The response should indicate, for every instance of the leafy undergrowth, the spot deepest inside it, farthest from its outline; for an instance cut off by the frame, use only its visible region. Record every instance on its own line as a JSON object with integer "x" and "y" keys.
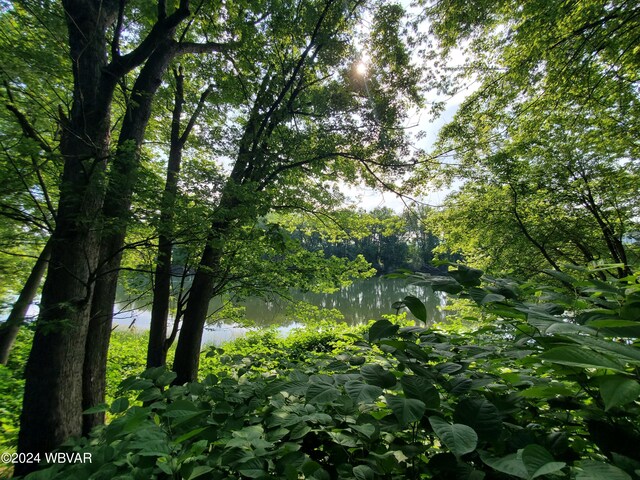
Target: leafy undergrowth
{"x": 548, "y": 389}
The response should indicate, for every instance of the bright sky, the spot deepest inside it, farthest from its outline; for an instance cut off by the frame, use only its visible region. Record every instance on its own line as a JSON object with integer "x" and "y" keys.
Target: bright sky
{"x": 369, "y": 198}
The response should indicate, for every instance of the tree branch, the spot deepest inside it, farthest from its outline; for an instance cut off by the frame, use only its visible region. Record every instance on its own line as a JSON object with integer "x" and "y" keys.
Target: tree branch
{"x": 27, "y": 128}
{"x": 162, "y": 28}
{"x": 115, "y": 44}
{"x": 196, "y": 114}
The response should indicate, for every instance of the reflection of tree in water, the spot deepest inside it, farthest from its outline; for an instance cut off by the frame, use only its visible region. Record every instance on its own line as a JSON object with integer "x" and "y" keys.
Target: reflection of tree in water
{"x": 361, "y": 301}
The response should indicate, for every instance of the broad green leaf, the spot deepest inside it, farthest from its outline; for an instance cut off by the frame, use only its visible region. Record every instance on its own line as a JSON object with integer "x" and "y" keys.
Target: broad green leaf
{"x": 613, "y": 323}
{"x": 419, "y": 387}
{"x": 580, "y": 357}
{"x": 361, "y": 392}
{"x": 539, "y": 461}
{"x": 382, "y": 329}
{"x": 165, "y": 378}
{"x": 448, "y": 367}
{"x": 593, "y": 470}
{"x": 510, "y": 464}
{"x": 531, "y": 462}
{"x": 374, "y": 374}
{"x": 492, "y": 298}
{"x": 198, "y": 471}
{"x": 344, "y": 439}
{"x": 563, "y": 277}
{"x": 481, "y": 415}
{"x": 321, "y": 393}
{"x": 458, "y": 438}
{"x": 182, "y": 410}
{"x": 629, "y": 352}
{"x": 618, "y": 390}
{"x": 466, "y": 276}
{"x": 416, "y": 307}
{"x": 253, "y": 468}
{"x": 406, "y": 410}
{"x": 366, "y": 429}
{"x": 119, "y": 405}
{"x": 299, "y": 431}
{"x": 363, "y": 472}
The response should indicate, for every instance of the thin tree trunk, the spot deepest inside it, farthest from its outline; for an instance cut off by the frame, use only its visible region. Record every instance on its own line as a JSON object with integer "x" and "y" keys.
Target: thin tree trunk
{"x": 10, "y": 328}
{"x": 525, "y": 232}
{"x": 187, "y": 357}
{"x": 158, "y": 341}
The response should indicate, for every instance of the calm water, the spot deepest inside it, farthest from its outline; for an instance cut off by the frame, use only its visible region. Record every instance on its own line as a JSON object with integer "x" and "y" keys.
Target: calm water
{"x": 362, "y": 301}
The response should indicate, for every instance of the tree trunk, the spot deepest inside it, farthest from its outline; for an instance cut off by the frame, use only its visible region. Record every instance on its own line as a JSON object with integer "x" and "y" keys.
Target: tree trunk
{"x": 116, "y": 217}
{"x": 187, "y": 358}
{"x": 158, "y": 341}
{"x": 52, "y": 404}
{"x": 10, "y": 328}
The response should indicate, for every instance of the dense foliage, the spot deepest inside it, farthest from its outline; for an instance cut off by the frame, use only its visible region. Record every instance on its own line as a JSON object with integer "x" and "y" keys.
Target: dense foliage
{"x": 545, "y": 144}
{"x": 207, "y": 148}
{"x": 546, "y": 384}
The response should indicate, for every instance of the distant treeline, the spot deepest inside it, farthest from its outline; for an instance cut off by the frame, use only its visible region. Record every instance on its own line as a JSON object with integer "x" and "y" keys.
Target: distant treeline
{"x": 387, "y": 240}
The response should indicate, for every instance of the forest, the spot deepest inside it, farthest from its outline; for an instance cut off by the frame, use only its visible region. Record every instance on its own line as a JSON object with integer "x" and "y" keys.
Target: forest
{"x": 209, "y": 150}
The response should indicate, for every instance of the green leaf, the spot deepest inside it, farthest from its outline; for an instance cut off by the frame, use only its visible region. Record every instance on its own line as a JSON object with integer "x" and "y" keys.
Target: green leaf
{"x": 580, "y": 357}
{"x": 374, "y": 374}
{"x": 481, "y": 415}
{"x": 320, "y": 393}
{"x": 367, "y": 429}
{"x": 299, "y": 431}
{"x": 190, "y": 434}
{"x": 361, "y": 392}
{"x": 466, "y": 276}
{"x": 198, "y": 471}
{"x": 618, "y": 390}
{"x": 382, "y": 329}
{"x": 492, "y": 298}
{"x": 253, "y": 468}
{"x": 539, "y": 461}
{"x": 416, "y": 307}
{"x": 509, "y": 464}
{"x": 592, "y": 470}
{"x": 406, "y": 410}
{"x": 181, "y": 409}
{"x": 420, "y": 388}
{"x": 531, "y": 462}
{"x": 103, "y": 407}
{"x": 119, "y": 405}
{"x": 342, "y": 438}
{"x": 363, "y": 472}
{"x": 459, "y": 439}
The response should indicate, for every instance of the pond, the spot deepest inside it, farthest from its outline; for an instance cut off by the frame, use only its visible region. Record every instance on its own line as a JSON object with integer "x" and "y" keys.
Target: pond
{"x": 360, "y": 302}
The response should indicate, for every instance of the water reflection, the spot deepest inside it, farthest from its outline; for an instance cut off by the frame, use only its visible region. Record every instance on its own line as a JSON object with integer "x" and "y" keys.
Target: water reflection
{"x": 360, "y": 302}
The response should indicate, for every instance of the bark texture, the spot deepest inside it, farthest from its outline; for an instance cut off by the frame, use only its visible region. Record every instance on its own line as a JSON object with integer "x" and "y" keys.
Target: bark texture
{"x": 52, "y": 405}
{"x": 115, "y": 213}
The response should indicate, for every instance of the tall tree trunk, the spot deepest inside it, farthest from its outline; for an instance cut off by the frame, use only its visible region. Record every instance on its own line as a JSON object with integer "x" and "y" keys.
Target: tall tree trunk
{"x": 52, "y": 404}
{"x": 210, "y": 278}
{"x": 187, "y": 357}
{"x": 10, "y": 328}
{"x": 116, "y": 209}
{"x": 158, "y": 341}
